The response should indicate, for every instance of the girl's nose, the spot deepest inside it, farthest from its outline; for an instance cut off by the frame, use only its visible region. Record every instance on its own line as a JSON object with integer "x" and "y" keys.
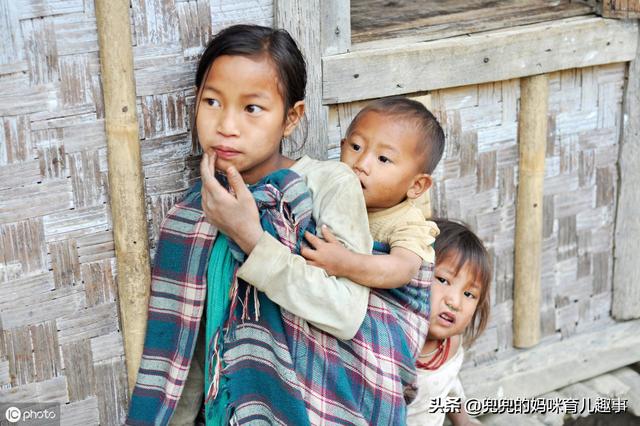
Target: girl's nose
{"x": 228, "y": 125}
{"x": 452, "y": 300}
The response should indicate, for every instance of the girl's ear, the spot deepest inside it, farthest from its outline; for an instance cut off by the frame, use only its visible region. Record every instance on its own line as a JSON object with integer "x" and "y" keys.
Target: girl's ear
{"x": 421, "y": 183}
{"x": 294, "y": 115}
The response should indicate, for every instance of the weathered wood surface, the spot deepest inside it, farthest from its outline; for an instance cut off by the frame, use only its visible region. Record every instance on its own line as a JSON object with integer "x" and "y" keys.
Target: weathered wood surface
{"x": 532, "y": 141}
{"x": 621, "y": 9}
{"x": 300, "y": 18}
{"x": 336, "y": 16}
{"x": 542, "y": 369}
{"x": 494, "y": 56}
{"x": 626, "y": 297}
{"x": 375, "y": 21}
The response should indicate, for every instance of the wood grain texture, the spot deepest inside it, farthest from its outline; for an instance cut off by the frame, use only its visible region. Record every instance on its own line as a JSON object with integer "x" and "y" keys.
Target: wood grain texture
{"x": 493, "y": 56}
{"x": 626, "y": 296}
{"x": 532, "y": 141}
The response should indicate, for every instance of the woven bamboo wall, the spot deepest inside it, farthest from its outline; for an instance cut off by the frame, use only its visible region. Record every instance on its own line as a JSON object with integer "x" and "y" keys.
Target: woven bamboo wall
{"x": 476, "y": 182}
{"x": 59, "y": 327}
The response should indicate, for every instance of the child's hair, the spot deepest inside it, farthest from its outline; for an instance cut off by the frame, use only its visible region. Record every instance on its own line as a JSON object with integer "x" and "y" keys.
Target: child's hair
{"x": 432, "y": 135}
{"x": 255, "y": 41}
{"x": 457, "y": 240}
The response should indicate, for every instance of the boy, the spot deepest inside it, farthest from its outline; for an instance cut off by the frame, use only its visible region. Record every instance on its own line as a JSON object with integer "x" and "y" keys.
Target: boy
{"x": 393, "y": 145}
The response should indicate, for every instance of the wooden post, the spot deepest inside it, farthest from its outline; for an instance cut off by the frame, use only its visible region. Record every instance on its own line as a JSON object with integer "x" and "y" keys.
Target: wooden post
{"x": 125, "y": 176}
{"x": 626, "y": 268}
{"x": 302, "y": 19}
{"x": 532, "y": 137}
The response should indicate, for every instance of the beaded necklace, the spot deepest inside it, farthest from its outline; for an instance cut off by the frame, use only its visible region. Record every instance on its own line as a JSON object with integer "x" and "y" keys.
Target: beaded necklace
{"x": 440, "y": 355}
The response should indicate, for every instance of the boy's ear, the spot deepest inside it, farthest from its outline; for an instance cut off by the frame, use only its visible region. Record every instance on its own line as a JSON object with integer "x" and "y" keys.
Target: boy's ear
{"x": 421, "y": 183}
{"x": 294, "y": 115}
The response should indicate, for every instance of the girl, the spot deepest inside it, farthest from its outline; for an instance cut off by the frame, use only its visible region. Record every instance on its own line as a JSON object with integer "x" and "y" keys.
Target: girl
{"x": 263, "y": 363}
{"x": 459, "y": 306}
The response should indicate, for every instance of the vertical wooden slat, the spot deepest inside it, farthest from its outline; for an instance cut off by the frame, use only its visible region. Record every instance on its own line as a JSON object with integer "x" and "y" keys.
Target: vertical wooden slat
{"x": 335, "y": 26}
{"x": 532, "y": 138}
{"x": 622, "y": 9}
{"x": 125, "y": 175}
{"x": 626, "y": 268}
{"x": 302, "y": 19}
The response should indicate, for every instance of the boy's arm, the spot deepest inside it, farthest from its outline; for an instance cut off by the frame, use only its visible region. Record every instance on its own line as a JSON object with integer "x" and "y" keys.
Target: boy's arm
{"x": 377, "y": 271}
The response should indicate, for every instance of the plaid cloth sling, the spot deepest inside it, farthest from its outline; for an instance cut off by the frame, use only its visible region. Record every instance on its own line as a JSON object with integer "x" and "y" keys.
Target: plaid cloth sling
{"x": 278, "y": 368}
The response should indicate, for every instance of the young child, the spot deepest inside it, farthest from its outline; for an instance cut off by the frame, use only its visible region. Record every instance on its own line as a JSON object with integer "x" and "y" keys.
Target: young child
{"x": 459, "y": 307}
{"x": 393, "y": 145}
{"x": 253, "y": 360}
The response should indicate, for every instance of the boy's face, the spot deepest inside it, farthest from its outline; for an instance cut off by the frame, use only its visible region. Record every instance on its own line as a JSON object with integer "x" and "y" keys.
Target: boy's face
{"x": 383, "y": 151}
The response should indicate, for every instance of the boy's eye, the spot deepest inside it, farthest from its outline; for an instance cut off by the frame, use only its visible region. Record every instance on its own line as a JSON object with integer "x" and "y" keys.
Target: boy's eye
{"x": 384, "y": 159}
{"x": 253, "y": 109}
{"x": 355, "y": 147}
{"x": 212, "y": 102}
{"x": 442, "y": 280}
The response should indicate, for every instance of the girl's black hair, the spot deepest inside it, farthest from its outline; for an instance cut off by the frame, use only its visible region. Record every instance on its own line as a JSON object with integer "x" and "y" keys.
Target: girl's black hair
{"x": 458, "y": 242}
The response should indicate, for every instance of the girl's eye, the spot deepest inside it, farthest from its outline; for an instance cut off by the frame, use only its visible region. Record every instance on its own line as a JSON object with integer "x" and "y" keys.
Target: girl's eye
{"x": 253, "y": 109}
{"x": 442, "y": 280}
{"x": 469, "y": 295}
{"x": 355, "y": 147}
{"x": 213, "y": 102}
{"x": 384, "y": 159}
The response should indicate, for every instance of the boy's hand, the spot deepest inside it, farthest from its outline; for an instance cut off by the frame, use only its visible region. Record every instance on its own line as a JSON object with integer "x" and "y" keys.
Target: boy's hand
{"x": 328, "y": 254}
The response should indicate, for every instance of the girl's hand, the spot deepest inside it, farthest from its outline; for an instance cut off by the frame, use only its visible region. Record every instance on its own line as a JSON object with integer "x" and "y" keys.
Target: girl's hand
{"x": 328, "y": 254}
{"x": 233, "y": 212}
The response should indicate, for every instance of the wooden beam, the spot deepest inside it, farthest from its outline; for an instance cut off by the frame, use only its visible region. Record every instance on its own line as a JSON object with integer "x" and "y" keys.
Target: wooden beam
{"x": 336, "y": 26}
{"x": 625, "y": 9}
{"x": 626, "y": 268}
{"x": 126, "y": 188}
{"x": 532, "y": 372}
{"x": 302, "y": 19}
{"x": 532, "y": 140}
{"x": 477, "y": 58}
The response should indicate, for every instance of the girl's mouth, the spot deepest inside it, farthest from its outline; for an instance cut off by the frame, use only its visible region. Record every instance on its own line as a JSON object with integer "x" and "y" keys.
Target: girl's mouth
{"x": 226, "y": 153}
{"x": 448, "y": 317}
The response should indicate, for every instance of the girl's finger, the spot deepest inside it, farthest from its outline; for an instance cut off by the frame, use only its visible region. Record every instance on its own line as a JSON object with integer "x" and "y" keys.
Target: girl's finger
{"x": 328, "y": 235}
{"x": 237, "y": 183}
{"x": 307, "y": 253}
{"x": 312, "y": 239}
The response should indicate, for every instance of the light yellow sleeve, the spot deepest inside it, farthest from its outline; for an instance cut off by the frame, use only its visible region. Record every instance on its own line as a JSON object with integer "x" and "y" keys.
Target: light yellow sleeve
{"x": 416, "y": 234}
{"x": 335, "y": 305}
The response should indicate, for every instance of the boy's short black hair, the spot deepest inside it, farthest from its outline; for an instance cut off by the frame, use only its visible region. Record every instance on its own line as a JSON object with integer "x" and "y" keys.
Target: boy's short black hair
{"x": 427, "y": 124}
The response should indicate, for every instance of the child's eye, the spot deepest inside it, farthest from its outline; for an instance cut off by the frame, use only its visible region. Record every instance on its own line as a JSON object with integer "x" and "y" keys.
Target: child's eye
{"x": 253, "y": 109}
{"x": 469, "y": 295}
{"x": 355, "y": 147}
{"x": 212, "y": 102}
{"x": 442, "y": 280}
{"x": 384, "y": 159}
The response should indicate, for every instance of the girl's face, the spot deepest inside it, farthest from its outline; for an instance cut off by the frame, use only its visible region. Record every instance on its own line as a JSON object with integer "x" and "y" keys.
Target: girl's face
{"x": 241, "y": 116}
{"x": 454, "y": 298}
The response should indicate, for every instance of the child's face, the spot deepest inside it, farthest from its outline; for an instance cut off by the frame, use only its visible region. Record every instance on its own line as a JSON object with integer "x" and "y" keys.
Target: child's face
{"x": 241, "y": 116}
{"x": 383, "y": 151}
{"x": 454, "y": 298}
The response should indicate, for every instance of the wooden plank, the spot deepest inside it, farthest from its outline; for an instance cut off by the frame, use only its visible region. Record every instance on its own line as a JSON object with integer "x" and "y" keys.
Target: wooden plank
{"x": 554, "y": 365}
{"x": 53, "y": 196}
{"x": 624, "y": 9}
{"x": 78, "y": 369}
{"x": 626, "y": 292}
{"x": 19, "y": 352}
{"x": 229, "y": 12}
{"x": 194, "y": 23}
{"x": 154, "y": 22}
{"x": 40, "y": 8}
{"x": 302, "y": 19}
{"x": 80, "y": 413}
{"x": 46, "y": 350}
{"x": 99, "y": 282}
{"x": 24, "y": 242}
{"x": 376, "y": 20}
{"x": 335, "y": 25}
{"x": 43, "y": 307}
{"x": 54, "y": 390}
{"x": 84, "y": 324}
{"x": 11, "y": 48}
{"x": 111, "y": 390}
{"x": 494, "y": 56}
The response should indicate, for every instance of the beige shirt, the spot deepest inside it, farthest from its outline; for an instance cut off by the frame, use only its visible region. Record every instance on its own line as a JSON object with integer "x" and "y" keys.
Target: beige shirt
{"x": 438, "y": 383}
{"x": 333, "y": 304}
{"x": 404, "y": 225}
